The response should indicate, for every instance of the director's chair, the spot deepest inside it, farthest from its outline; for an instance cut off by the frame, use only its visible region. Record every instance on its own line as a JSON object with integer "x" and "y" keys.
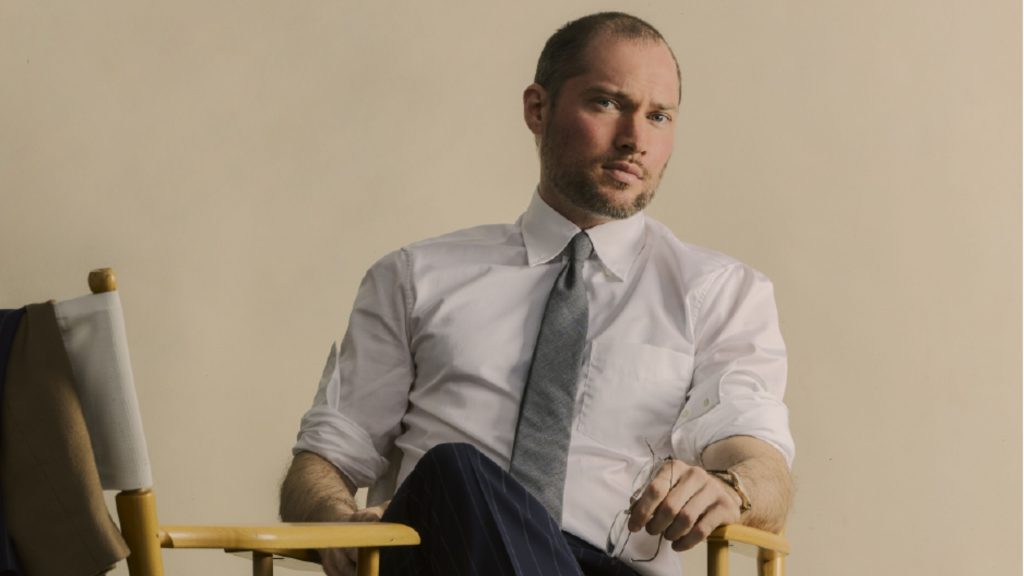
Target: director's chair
{"x": 81, "y": 347}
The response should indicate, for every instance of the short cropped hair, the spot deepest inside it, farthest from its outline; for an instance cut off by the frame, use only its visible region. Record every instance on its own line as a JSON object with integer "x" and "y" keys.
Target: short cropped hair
{"x": 562, "y": 56}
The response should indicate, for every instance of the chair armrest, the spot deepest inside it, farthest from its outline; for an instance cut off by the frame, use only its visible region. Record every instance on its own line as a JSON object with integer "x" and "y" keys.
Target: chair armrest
{"x": 288, "y": 536}
{"x": 761, "y": 538}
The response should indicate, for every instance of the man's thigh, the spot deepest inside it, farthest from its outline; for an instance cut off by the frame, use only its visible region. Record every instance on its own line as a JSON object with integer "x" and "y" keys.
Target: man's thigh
{"x": 475, "y": 518}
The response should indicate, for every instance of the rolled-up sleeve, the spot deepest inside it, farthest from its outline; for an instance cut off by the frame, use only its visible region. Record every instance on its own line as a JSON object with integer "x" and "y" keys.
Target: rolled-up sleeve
{"x": 364, "y": 390}
{"x": 739, "y": 376}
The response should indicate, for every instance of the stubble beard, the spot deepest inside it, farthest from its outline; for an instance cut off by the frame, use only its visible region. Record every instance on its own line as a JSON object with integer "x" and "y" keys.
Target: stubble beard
{"x": 575, "y": 180}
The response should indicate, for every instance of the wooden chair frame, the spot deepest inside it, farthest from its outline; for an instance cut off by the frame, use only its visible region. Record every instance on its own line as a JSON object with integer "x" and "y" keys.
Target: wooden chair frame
{"x": 772, "y": 549}
{"x": 136, "y": 510}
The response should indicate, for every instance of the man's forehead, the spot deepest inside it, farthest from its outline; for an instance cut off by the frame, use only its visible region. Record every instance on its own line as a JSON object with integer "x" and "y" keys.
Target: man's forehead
{"x": 652, "y": 66}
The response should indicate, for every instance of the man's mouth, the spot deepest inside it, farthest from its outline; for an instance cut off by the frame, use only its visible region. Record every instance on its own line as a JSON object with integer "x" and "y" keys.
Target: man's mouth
{"x": 625, "y": 172}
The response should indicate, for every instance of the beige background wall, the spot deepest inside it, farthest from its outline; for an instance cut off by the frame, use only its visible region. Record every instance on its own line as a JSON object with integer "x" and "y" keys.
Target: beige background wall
{"x": 241, "y": 163}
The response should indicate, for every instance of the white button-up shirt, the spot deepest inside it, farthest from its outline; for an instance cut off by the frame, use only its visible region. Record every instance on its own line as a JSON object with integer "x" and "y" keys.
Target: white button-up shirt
{"x": 683, "y": 350}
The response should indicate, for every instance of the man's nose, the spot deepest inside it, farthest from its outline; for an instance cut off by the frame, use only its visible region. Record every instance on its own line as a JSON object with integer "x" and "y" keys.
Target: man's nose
{"x": 631, "y": 135}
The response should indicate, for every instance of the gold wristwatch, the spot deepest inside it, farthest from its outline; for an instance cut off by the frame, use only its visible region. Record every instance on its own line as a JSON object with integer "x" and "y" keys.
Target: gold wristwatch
{"x": 730, "y": 478}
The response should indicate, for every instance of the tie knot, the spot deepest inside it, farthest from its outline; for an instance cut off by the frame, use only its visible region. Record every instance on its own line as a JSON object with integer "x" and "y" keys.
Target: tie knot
{"x": 580, "y": 247}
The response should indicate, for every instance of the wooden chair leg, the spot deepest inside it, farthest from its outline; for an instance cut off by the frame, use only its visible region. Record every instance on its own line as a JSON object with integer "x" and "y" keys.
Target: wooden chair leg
{"x": 718, "y": 558}
{"x": 262, "y": 563}
{"x": 137, "y": 511}
{"x": 369, "y": 561}
{"x": 770, "y": 563}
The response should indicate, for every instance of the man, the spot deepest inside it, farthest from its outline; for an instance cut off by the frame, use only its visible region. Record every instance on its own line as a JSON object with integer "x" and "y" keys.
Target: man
{"x": 675, "y": 421}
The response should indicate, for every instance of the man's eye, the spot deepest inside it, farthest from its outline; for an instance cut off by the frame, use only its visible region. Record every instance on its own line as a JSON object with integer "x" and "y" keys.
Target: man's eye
{"x": 661, "y": 118}
{"x": 605, "y": 103}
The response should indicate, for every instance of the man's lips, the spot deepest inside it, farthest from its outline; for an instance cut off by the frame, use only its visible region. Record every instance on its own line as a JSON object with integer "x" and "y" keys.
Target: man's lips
{"x": 624, "y": 171}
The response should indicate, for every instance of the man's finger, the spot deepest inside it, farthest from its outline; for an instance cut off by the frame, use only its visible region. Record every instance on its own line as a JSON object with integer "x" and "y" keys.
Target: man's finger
{"x": 370, "y": 514}
{"x": 710, "y": 508}
{"x": 650, "y": 496}
{"x": 367, "y": 515}
{"x": 714, "y": 518}
{"x": 676, "y": 502}
{"x": 669, "y": 477}
{"x": 689, "y": 514}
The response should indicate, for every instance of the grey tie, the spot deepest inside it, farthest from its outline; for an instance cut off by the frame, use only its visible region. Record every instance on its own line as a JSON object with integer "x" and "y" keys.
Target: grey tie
{"x": 545, "y": 414}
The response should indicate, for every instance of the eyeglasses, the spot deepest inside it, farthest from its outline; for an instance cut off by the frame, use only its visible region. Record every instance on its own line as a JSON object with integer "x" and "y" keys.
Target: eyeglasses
{"x": 618, "y": 533}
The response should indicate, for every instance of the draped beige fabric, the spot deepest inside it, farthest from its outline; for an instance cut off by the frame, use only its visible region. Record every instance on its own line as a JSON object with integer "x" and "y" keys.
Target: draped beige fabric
{"x": 55, "y": 509}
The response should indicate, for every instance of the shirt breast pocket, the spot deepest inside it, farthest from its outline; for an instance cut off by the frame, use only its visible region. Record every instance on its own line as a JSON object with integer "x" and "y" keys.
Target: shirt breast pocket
{"x": 633, "y": 394}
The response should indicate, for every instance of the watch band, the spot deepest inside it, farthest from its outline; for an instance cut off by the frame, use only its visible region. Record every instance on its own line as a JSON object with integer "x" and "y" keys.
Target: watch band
{"x": 734, "y": 482}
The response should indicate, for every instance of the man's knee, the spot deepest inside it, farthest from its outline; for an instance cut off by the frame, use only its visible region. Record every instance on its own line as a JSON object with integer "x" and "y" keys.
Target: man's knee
{"x": 455, "y": 462}
{"x": 449, "y": 454}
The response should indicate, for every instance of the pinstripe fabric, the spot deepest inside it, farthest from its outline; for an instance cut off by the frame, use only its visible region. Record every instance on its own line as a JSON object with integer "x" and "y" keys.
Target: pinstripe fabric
{"x": 475, "y": 519}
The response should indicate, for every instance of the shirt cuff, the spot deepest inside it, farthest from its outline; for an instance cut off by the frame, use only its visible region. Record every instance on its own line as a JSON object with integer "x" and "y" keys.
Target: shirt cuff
{"x": 764, "y": 418}
{"x": 341, "y": 442}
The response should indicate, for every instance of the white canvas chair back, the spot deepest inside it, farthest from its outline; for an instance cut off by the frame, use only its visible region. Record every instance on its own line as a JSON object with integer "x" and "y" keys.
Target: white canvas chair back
{"x": 93, "y": 331}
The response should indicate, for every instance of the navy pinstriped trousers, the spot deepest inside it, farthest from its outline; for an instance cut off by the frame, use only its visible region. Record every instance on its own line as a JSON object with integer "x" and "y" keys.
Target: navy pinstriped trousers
{"x": 475, "y": 519}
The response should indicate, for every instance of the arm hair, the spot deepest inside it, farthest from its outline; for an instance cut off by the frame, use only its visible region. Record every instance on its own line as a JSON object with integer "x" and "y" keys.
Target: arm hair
{"x": 314, "y": 490}
{"x": 764, "y": 474}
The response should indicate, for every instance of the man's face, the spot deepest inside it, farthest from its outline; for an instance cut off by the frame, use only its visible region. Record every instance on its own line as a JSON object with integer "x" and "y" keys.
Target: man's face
{"x": 606, "y": 140}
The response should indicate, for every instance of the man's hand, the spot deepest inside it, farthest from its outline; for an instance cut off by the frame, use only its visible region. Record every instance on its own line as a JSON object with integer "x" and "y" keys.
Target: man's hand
{"x": 342, "y": 561}
{"x": 684, "y": 504}
{"x": 315, "y": 491}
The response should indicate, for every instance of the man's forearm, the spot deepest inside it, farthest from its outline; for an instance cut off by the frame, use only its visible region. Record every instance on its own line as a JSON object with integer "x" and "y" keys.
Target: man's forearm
{"x": 764, "y": 474}
{"x": 314, "y": 490}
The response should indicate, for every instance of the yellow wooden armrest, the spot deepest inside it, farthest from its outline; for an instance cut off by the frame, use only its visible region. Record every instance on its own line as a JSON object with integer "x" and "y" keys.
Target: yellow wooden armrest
{"x": 288, "y": 536}
{"x": 771, "y": 549}
{"x": 747, "y": 535}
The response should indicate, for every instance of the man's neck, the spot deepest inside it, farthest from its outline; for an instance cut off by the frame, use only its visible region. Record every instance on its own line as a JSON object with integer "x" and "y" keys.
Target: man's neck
{"x": 582, "y": 218}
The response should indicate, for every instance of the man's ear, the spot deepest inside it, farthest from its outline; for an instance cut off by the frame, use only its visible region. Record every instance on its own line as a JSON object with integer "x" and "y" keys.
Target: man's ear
{"x": 535, "y": 108}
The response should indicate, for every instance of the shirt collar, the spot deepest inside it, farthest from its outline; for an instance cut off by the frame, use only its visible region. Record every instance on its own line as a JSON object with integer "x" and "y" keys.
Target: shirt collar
{"x": 546, "y": 234}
